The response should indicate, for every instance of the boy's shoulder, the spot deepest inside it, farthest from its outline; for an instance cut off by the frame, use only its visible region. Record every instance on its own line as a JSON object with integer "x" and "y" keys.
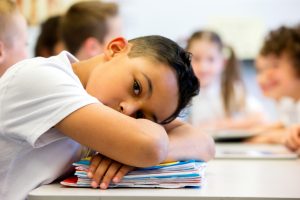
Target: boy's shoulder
{"x": 62, "y": 61}
{"x": 41, "y": 72}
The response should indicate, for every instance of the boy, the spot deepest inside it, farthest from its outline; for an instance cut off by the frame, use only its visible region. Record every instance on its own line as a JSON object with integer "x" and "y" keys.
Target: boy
{"x": 88, "y": 26}
{"x": 278, "y": 67}
{"x": 13, "y": 35}
{"x": 107, "y": 103}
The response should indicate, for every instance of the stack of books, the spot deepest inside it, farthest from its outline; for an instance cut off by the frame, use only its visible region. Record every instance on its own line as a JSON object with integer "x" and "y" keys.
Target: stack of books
{"x": 177, "y": 174}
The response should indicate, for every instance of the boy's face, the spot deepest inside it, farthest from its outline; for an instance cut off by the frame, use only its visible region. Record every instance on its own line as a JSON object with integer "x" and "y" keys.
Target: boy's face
{"x": 207, "y": 61}
{"x": 276, "y": 77}
{"x": 138, "y": 87}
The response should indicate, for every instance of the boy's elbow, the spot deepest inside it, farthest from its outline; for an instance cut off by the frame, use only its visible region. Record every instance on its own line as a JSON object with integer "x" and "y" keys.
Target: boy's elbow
{"x": 156, "y": 151}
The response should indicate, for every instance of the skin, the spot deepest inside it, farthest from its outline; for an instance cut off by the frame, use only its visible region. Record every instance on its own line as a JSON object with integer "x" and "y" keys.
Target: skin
{"x": 14, "y": 48}
{"x": 292, "y": 139}
{"x": 136, "y": 93}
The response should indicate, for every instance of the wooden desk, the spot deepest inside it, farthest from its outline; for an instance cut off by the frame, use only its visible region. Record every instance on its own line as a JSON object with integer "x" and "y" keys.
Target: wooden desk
{"x": 225, "y": 179}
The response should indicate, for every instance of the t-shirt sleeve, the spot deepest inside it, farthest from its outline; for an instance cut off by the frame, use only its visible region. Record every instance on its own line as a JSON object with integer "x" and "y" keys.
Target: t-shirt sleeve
{"x": 36, "y": 98}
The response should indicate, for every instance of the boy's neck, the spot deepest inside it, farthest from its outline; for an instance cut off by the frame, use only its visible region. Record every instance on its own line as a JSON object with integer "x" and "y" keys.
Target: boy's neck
{"x": 84, "y": 68}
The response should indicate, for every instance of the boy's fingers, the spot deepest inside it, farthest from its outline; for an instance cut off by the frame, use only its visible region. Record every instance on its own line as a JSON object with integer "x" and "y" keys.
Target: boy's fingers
{"x": 110, "y": 173}
{"x": 94, "y": 164}
{"x": 122, "y": 172}
{"x": 100, "y": 171}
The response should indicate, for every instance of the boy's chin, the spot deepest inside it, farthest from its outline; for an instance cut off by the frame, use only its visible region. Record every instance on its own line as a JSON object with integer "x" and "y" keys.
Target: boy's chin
{"x": 272, "y": 95}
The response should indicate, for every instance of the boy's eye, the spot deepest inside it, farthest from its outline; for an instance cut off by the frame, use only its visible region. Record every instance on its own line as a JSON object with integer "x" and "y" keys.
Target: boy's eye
{"x": 139, "y": 114}
{"x": 136, "y": 87}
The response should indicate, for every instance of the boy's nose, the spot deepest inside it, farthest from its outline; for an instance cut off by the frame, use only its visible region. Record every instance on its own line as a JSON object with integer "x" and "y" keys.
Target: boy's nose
{"x": 204, "y": 66}
{"x": 129, "y": 108}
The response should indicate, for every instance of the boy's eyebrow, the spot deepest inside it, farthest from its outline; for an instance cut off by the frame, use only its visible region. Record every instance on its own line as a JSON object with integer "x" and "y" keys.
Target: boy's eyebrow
{"x": 149, "y": 83}
{"x": 149, "y": 93}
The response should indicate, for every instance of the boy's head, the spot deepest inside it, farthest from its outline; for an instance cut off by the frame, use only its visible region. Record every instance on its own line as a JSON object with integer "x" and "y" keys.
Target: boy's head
{"x": 148, "y": 77}
{"x": 278, "y": 63}
{"x": 88, "y": 26}
{"x": 49, "y": 42}
{"x": 13, "y": 35}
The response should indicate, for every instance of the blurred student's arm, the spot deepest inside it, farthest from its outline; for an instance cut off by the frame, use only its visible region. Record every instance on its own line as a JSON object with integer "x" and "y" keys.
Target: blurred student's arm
{"x": 292, "y": 139}
{"x": 252, "y": 115}
{"x": 186, "y": 142}
{"x": 134, "y": 142}
{"x": 245, "y": 122}
{"x": 269, "y": 134}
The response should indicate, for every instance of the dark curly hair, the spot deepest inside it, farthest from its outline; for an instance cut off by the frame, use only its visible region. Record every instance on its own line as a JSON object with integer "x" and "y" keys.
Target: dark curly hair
{"x": 284, "y": 40}
{"x": 168, "y": 52}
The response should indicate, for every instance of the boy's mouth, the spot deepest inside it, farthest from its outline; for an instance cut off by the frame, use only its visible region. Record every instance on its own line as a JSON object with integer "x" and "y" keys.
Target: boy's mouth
{"x": 269, "y": 86}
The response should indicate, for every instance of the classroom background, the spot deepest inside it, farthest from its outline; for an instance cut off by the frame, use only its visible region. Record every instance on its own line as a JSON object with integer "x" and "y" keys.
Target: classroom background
{"x": 241, "y": 23}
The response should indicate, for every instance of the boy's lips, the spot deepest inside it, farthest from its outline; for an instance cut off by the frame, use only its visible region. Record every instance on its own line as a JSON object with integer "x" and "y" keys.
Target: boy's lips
{"x": 269, "y": 86}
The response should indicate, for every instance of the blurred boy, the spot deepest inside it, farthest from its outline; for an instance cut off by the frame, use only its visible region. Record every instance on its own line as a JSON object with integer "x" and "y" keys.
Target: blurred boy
{"x": 13, "y": 35}
{"x": 88, "y": 26}
{"x": 278, "y": 67}
{"x": 122, "y": 104}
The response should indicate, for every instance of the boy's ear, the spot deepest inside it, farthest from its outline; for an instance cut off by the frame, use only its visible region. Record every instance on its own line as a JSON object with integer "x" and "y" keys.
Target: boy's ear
{"x": 116, "y": 46}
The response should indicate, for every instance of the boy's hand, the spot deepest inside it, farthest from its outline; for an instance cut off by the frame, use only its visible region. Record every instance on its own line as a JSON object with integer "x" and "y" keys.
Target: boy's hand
{"x": 292, "y": 140}
{"x": 106, "y": 170}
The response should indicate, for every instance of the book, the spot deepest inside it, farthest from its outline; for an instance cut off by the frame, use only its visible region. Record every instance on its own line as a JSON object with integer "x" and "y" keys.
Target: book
{"x": 177, "y": 174}
{"x": 253, "y": 151}
{"x": 227, "y": 135}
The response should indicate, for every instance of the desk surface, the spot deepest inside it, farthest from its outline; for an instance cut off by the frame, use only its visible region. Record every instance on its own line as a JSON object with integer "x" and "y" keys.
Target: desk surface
{"x": 225, "y": 179}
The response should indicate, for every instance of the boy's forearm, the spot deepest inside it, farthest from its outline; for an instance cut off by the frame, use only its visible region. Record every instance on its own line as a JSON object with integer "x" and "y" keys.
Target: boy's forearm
{"x": 135, "y": 142}
{"x": 186, "y": 142}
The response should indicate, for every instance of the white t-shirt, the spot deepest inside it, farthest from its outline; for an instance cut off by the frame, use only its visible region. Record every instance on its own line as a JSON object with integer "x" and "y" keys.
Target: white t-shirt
{"x": 288, "y": 111}
{"x": 35, "y": 95}
{"x": 208, "y": 106}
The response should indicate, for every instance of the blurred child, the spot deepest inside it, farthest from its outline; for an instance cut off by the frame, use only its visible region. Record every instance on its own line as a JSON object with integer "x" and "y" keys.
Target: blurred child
{"x": 88, "y": 26}
{"x": 122, "y": 104}
{"x": 223, "y": 102}
{"x": 13, "y": 35}
{"x": 49, "y": 42}
{"x": 278, "y": 74}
